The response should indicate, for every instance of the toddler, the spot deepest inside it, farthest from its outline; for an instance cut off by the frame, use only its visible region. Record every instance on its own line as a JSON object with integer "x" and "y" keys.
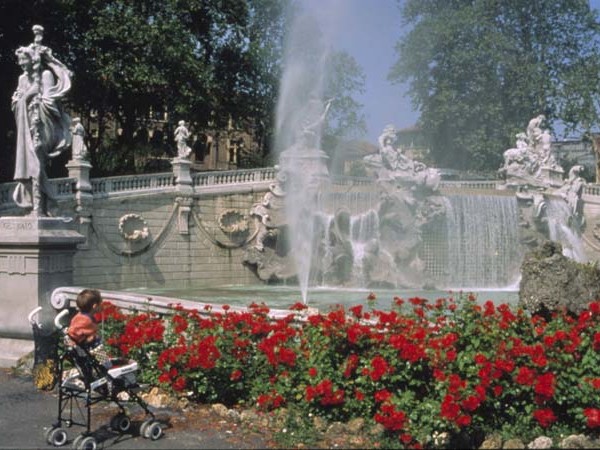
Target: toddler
{"x": 83, "y": 329}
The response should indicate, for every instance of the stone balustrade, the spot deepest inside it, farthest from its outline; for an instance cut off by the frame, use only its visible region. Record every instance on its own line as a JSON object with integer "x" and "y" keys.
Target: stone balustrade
{"x": 233, "y": 177}
{"x": 63, "y": 188}
{"x": 470, "y": 184}
{"x": 130, "y": 183}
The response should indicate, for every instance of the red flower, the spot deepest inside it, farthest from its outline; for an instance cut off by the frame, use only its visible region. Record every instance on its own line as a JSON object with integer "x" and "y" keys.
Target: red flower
{"x": 390, "y": 418}
{"x": 380, "y": 368}
{"x": 525, "y": 377}
{"x": 351, "y": 364}
{"x": 545, "y": 417}
{"x": 544, "y": 385}
{"x": 180, "y": 384}
{"x": 505, "y": 365}
{"x": 593, "y": 417}
{"x": 406, "y": 438}
{"x": 382, "y": 396}
{"x": 480, "y": 359}
{"x": 235, "y": 375}
{"x": 449, "y": 408}
{"x": 471, "y": 403}
{"x": 356, "y": 310}
{"x": 488, "y": 308}
{"x": 298, "y": 306}
{"x": 596, "y": 341}
{"x": 463, "y": 421}
{"x": 312, "y": 372}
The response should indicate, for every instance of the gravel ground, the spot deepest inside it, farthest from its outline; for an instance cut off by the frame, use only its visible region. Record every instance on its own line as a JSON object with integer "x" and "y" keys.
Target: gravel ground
{"x": 26, "y": 414}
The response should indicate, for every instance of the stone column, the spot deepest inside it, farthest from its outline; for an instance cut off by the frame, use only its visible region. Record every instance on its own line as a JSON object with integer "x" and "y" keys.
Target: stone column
{"x": 185, "y": 191}
{"x": 182, "y": 172}
{"x": 84, "y": 198}
{"x": 36, "y": 256}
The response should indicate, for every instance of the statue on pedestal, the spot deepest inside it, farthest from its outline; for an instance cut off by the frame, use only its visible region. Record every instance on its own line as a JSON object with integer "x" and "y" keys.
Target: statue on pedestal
{"x": 43, "y": 128}
{"x": 182, "y": 135}
{"x": 79, "y": 149}
{"x": 532, "y": 160}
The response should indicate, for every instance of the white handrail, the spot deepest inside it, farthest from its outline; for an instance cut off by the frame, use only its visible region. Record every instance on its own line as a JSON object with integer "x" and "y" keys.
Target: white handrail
{"x": 33, "y": 313}
{"x": 59, "y": 317}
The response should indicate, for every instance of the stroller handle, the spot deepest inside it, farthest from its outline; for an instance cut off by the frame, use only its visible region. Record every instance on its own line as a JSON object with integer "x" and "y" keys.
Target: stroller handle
{"x": 58, "y": 318}
{"x": 32, "y": 314}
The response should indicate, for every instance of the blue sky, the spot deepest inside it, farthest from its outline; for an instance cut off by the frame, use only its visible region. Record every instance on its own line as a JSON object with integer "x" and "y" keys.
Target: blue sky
{"x": 368, "y": 30}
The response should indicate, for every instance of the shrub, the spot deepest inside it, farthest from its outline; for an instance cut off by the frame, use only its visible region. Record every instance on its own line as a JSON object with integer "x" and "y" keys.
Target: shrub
{"x": 420, "y": 370}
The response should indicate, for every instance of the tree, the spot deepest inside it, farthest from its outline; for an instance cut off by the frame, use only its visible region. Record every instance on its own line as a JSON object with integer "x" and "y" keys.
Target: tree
{"x": 205, "y": 61}
{"x": 478, "y": 70}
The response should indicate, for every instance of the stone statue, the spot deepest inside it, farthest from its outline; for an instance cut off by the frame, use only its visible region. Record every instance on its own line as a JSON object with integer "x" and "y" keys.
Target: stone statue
{"x": 78, "y": 148}
{"x": 181, "y": 137}
{"x": 43, "y": 128}
{"x": 534, "y": 130}
{"x": 532, "y": 160}
{"x": 572, "y": 191}
{"x": 313, "y": 121}
{"x": 391, "y": 164}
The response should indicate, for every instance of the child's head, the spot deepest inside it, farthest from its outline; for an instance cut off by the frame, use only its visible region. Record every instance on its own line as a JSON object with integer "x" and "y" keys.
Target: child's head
{"x": 88, "y": 299}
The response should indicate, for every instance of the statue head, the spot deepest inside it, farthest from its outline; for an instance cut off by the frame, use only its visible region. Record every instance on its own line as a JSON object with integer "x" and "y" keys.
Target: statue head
{"x": 181, "y": 123}
{"x": 25, "y": 58}
{"x": 38, "y": 34}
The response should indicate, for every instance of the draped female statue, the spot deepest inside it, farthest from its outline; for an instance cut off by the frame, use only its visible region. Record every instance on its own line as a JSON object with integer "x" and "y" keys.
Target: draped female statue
{"x": 43, "y": 128}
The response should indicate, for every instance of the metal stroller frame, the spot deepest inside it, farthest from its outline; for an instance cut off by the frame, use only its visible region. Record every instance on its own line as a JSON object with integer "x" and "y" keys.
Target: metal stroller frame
{"x": 92, "y": 384}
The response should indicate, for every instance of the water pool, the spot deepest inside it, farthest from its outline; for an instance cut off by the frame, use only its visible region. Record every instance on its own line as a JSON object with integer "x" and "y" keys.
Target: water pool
{"x": 282, "y": 297}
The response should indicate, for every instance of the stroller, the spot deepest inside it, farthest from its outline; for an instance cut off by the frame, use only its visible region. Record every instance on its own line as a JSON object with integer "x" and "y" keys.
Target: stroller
{"x": 87, "y": 383}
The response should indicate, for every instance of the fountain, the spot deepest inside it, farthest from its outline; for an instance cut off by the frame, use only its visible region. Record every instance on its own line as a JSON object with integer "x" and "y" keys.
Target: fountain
{"x": 398, "y": 230}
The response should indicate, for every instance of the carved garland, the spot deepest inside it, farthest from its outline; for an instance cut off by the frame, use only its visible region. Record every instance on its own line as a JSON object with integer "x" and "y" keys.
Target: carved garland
{"x": 133, "y": 227}
{"x": 233, "y": 222}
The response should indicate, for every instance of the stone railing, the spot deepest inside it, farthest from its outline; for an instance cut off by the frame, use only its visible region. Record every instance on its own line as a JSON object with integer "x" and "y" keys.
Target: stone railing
{"x": 592, "y": 189}
{"x": 233, "y": 177}
{"x": 64, "y": 188}
{"x": 132, "y": 183}
{"x": 470, "y": 185}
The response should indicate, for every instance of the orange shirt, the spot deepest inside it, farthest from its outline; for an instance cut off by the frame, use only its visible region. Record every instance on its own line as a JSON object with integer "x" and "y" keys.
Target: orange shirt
{"x": 82, "y": 328}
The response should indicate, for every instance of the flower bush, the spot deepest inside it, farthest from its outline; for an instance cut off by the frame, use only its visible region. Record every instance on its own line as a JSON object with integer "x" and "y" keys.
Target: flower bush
{"x": 419, "y": 370}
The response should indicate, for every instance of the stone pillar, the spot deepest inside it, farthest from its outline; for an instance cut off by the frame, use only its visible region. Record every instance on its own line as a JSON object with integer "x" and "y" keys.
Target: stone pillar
{"x": 80, "y": 170}
{"x": 185, "y": 191}
{"x": 182, "y": 172}
{"x": 36, "y": 256}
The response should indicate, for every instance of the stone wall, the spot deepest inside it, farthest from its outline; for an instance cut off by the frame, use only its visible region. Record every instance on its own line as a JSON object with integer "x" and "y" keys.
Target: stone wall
{"x": 183, "y": 249}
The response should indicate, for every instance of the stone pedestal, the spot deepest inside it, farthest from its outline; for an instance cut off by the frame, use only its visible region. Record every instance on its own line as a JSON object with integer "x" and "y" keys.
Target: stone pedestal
{"x": 182, "y": 172}
{"x": 80, "y": 170}
{"x": 553, "y": 175}
{"x": 36, "y": 256}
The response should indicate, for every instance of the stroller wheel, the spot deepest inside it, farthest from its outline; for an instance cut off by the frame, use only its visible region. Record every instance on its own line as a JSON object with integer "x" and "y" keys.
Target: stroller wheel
{"x": 76, "y": 441}
{"x": 86, "y": 443}
{"x": 144, "y": 427}
{"x": 121, "y": 423}
{"x": 56, "y": 436}
{"x": 151, "y": 429}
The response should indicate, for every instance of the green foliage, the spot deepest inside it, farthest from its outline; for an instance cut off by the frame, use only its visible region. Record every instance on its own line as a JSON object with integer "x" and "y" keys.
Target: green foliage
{"x": 428, "y": 372}
{"x": 479, "y": 70}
